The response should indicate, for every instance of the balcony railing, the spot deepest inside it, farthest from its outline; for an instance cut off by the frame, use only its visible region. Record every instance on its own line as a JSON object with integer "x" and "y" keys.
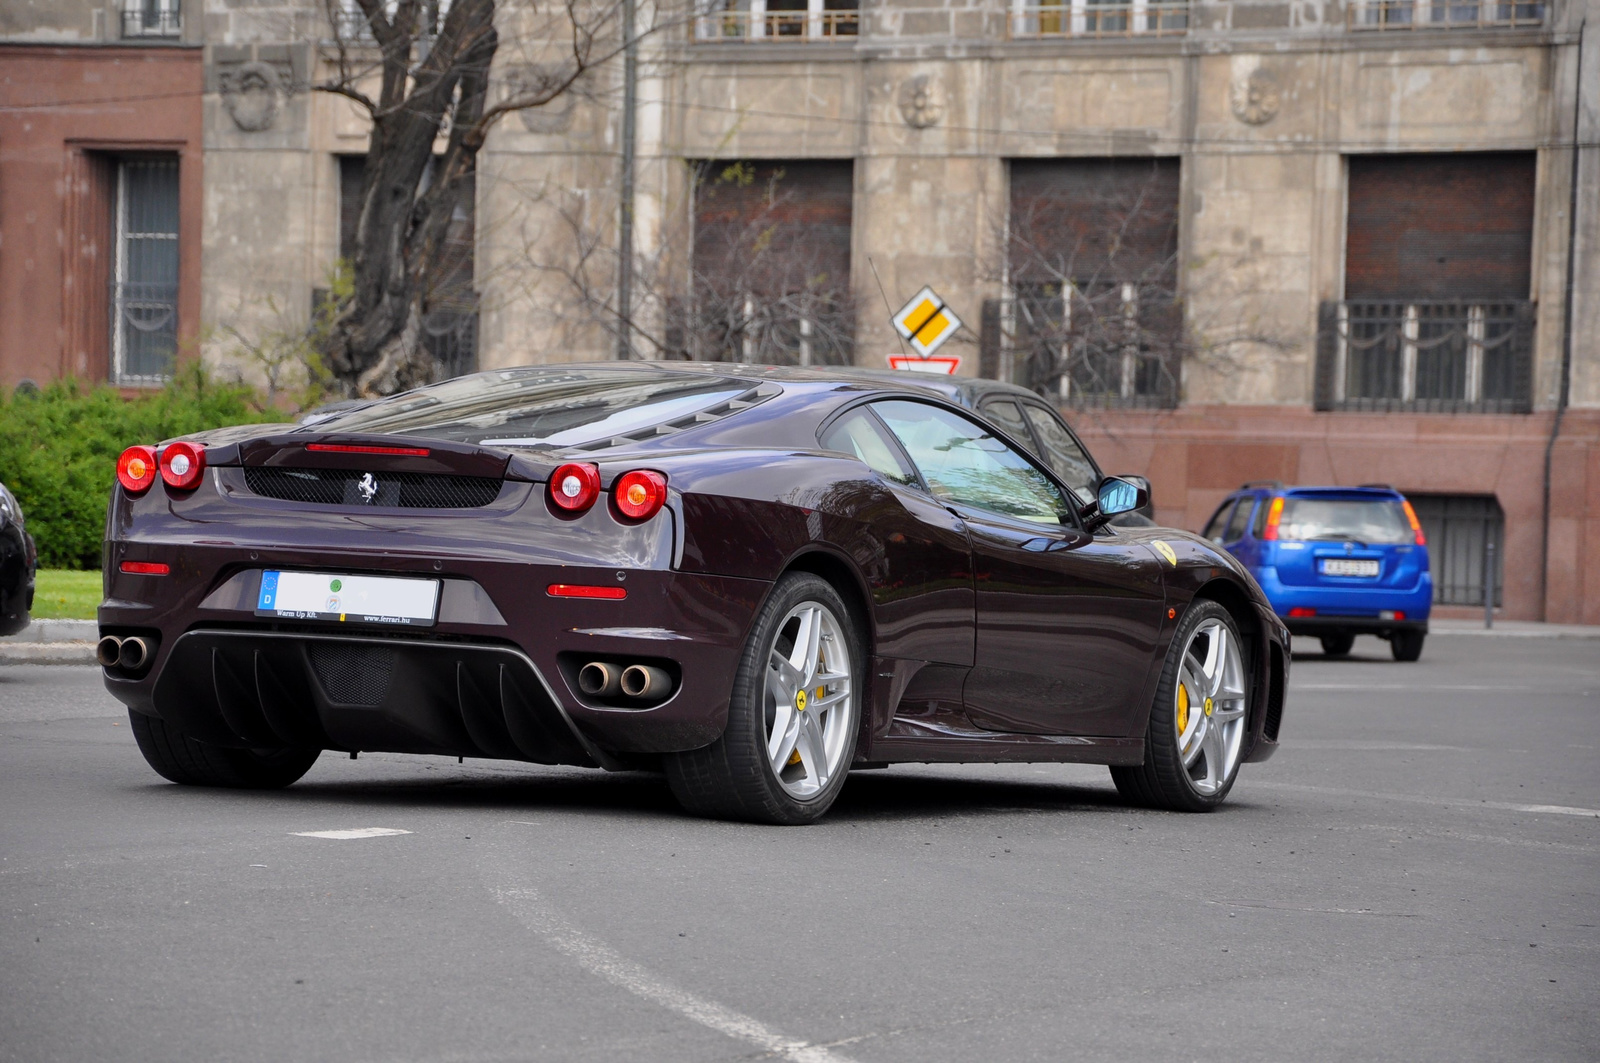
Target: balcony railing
{"x": 152, "y": 18}
{"x": 1442, "y": 15}
{"x": 759, "y": 24}
{"x": 1431, "y": 356}
{"x": 1080, "y": 18}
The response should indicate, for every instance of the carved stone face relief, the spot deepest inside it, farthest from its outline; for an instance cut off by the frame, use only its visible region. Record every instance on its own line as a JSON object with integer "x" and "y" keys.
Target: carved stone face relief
{"x": 922, "y": 101}
{"x": 252, "y": 94}
{"x": 1256, "y": 96}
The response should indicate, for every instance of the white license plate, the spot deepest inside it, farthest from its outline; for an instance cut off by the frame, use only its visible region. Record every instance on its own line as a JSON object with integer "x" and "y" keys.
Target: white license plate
{"x": 347, "y": 599}
{"x": 1349, "y": 566}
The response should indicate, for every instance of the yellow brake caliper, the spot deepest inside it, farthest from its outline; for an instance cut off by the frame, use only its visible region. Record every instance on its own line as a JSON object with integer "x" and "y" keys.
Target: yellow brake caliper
{"x": 1183, "y": 709}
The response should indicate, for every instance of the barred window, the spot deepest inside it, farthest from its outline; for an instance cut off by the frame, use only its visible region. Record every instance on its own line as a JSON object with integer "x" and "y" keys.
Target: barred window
{"x": 144, "y": 284}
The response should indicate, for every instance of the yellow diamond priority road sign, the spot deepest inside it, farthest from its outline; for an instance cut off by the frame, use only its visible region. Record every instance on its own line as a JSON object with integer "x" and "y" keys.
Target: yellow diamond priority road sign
{"x": 926, "y": 323}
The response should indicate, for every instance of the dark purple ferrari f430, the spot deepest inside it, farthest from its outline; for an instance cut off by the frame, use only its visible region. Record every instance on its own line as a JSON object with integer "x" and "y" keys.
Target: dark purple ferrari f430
{"x": 752, "y": 579}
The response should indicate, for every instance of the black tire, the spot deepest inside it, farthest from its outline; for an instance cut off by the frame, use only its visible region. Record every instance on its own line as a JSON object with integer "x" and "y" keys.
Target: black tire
{"x": 1407, "y": 645}
{"x": 1337, "y": 645}
{"x": 1161, "y": 781}
{"x": 732, "y": 778}
{"x": 176, "y": 756}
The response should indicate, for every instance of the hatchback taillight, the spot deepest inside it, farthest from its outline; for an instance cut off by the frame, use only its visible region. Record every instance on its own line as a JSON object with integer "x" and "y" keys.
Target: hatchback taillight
{"x": 1274, "y": 515}
{"x": 182, "y": 465}
{"x": 136, "y": 469}
{"x": 1416, "y": 525}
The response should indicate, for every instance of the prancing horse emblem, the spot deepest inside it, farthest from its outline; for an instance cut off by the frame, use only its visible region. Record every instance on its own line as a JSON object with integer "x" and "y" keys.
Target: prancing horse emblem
{"x": 368, "y": 487}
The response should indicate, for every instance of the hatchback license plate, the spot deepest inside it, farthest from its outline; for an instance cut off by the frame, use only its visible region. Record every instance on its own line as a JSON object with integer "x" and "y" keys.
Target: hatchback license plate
{"x": 1349, "y": 566}
{"x": 348, "y": 599}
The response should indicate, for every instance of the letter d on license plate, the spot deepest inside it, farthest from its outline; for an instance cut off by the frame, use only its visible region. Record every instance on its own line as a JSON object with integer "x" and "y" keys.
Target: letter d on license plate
{"x": 347, "y": 599}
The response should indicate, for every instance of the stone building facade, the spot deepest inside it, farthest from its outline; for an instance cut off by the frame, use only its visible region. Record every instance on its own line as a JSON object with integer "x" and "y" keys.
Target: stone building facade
{"x": 1345, "y": 241}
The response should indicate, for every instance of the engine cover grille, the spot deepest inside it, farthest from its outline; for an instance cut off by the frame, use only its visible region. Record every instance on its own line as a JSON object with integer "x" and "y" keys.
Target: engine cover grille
{"x": 351, "y": 487}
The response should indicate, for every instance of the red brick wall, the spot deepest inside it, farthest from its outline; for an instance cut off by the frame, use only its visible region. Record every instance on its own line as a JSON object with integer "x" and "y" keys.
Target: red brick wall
{"x": 63, "y": 112}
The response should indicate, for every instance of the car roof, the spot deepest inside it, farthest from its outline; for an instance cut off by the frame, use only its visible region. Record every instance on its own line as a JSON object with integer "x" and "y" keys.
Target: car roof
{"x": 1273, "y": 487}
{"x": 961, "y": 390}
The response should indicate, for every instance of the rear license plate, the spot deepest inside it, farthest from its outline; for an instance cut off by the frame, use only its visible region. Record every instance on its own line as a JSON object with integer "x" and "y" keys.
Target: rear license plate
{"x": 348, "y": 599}
{"x": 1349, "y": 566}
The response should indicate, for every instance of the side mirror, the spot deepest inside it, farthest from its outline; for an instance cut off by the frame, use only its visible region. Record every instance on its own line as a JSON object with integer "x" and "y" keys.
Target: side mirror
{"x": 1116, "y": 495}
{"x": 1147, "y": 507}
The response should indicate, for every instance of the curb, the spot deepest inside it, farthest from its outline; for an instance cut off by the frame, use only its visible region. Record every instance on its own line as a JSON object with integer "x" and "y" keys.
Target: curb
{"x": 1514, "y": 629}
{"x": 55, "y": 631}
{"x": 46, "y": 653}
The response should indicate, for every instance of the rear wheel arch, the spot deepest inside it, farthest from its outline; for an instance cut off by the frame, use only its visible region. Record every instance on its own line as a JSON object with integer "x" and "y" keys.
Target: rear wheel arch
{"x": 844, "y": 578}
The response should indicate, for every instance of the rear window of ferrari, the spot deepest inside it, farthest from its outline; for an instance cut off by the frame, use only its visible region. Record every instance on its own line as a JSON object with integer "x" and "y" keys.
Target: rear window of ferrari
{"x": 540, "y": 407}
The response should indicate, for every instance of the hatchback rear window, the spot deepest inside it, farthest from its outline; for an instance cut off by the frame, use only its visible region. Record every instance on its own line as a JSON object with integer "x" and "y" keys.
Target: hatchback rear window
{"x": 540, "y": 407}
{"x": 1376, "y": 520}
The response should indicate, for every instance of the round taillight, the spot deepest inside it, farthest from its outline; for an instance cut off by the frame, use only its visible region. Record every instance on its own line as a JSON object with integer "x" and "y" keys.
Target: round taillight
{"x": 182, "y": 465}
{"x": 574, "y": 487}
{"x": 136, "y": 469}
{"x": 640, "y": 494}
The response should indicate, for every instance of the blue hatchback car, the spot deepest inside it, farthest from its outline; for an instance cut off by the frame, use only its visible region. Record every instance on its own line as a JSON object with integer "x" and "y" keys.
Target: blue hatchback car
{"x": 1335, "y": 562}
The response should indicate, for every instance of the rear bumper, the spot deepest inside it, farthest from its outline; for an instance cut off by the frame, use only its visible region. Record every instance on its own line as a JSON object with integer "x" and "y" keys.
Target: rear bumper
{"x": 495, "y": 677}
{"x": 1316, "y": 627}
{"x": 272, "y": 689}
{"x": 1345, "y": 608}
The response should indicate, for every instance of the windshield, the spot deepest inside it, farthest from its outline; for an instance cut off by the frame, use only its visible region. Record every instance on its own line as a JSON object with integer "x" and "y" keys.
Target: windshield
{"x": 543, "y": 407}
{"x": 1378, "y": 520}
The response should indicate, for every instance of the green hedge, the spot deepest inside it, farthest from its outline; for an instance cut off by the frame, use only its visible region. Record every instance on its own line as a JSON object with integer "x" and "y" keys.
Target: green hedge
{"x": 59, "y": 447}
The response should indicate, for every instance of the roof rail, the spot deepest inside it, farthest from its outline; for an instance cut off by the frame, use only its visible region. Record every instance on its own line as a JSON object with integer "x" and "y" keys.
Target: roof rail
{"x": 1276, "y": 485}
{"x": 1386, "y": 487}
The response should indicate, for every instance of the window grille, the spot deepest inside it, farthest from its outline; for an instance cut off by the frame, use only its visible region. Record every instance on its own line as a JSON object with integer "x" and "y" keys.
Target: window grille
{"x": 1442, "y": 14}
{"x": 1457, "y": 528}
{"x": 144, "y": 284}
{"x": 1107, "y": 344}
{"x": 1436, "y": 356}
{"x": 152, "y": 18}
{"x": 778, "y": 21}
{"x": 1031, "y": 19}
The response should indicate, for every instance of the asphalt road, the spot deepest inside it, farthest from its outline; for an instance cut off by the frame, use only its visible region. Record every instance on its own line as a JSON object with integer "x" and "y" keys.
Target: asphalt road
{"x": 1415, "y": 876}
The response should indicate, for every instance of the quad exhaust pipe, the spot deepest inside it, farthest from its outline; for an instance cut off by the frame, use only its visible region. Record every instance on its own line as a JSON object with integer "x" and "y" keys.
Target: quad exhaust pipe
{"x": 641, "y": 682}
{"x": 130, "y": 654}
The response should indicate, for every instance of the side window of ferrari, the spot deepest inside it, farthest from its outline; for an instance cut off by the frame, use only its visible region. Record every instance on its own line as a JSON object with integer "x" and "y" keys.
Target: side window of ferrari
{"x": 859, "y": 434}
{"x": 1218, "y": 521}
{"x": 1063, "y": 453}
{"x": 965, "y": 463}
{"x": 1004, "y": 413}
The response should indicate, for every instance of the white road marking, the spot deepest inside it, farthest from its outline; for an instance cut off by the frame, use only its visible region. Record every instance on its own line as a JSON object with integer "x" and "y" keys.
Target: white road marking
{"x": 602, "y": 961}
{"x": 348, "y": 835}
{"x": 1440, "y": 802}
{"x": 1417, "y": 689}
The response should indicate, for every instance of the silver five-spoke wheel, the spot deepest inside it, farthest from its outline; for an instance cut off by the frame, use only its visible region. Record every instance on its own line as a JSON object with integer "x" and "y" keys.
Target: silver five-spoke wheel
{"x": 1209, "y": 706}
{"x": 794, "y": 714}
{"x": 807, "y": 704}
{"x": 1199, "y": 727}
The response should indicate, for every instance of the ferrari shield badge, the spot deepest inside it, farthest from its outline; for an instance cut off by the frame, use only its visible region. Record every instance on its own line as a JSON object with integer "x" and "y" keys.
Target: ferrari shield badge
{"x": 1165, "y": 551}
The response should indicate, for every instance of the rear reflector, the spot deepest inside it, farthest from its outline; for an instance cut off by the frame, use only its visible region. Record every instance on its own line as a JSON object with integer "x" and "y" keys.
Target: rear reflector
{"x": 1391, "y": 614}
{"x": 350, "y": 448}
{"x": 145, "y": 568}
{"x": 1300, "y": 611}
{"x": 579, "y": 590}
